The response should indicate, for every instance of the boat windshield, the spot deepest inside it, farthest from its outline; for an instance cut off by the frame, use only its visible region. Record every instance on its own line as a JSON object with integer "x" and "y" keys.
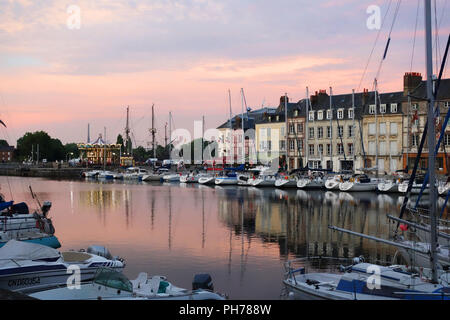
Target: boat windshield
{"x": 113, "y": 279}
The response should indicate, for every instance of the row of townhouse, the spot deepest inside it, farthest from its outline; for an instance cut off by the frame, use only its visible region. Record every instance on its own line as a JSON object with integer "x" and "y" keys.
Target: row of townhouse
{"x": 341, "y": 132}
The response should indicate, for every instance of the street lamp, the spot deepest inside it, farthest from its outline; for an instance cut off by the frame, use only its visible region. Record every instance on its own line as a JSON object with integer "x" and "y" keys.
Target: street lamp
{"x": 71, "y": 153}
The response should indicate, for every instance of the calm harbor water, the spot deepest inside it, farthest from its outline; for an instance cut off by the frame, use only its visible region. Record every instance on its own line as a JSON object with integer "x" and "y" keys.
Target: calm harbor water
{"x": 241, "y": 236}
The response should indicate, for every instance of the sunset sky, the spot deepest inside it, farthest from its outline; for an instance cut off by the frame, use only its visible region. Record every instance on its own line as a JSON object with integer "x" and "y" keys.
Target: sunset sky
{"x": 184, "y": 55}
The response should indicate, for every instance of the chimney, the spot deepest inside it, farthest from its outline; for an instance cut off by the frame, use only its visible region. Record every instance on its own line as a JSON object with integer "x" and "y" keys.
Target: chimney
{"x": 322, "y": 97}
{"x": 365, "y": 96}
{"x": 314, "y": 99}
{"x": 410, "y": 81}
{"x": 282, "y": 100}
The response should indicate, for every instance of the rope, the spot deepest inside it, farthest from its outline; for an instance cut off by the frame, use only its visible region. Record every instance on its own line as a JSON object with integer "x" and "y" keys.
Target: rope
{"x": 415, "y": 32}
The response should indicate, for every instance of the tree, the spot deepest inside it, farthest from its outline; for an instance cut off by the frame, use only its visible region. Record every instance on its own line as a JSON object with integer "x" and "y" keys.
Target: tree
{"x": 120, "y": 141}
{"x": 71, "y": 148}
{"x": 50, "y": 149}
{"x": 4, "y": 143}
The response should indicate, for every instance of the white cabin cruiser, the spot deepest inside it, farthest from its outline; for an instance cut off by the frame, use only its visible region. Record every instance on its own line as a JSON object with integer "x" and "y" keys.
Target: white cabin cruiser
{"x": 207, "y": 180}
{"x": 112, "y": 285}
{"x": 108, "y": 175}
{"x": 389, "y": 185}
{"x": 134, "y": 173}
{"x": 29, "y": 267}
{"x": 360, "y": 182}
{"x": 264, "y": 181}
{"x": 286, "y": 182}
{"x": 230, "y": 178}
{"x": 332, "y": 182}
{"x": 193, "y": 177}
{"x": 91, "y": 174}
{"x": 173, "y": 177}
{"x": 357, "y": 282}
{"x": 443, "y": 187}
{"x": 312, "y": 182}
{"x": 416, "y": 187}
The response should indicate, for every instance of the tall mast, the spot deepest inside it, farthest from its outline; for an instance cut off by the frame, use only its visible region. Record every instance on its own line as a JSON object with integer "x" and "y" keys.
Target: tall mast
{"x": 203, "y": 135}
{"x": 376, "y": 127}
{"x": 89, "y": 134}
{"x": 243, "y": 132}
{"x": 354, "y": 130}
{"x": 127, "y": 131}
{"x": 407, "y": 133}
{"x": 231, "y": 127}
{"x": 170, "y": 134}
{"x": 331, "y": 128}
{"x": 305, "y": 147}
{"x": 153, "y": 131}
{"x": 286, "y": 133}
{"x": 431, "y": 139}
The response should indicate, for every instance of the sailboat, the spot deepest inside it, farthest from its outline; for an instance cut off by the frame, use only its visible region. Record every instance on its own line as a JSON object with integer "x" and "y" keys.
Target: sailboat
{"x": 363, "y": 281}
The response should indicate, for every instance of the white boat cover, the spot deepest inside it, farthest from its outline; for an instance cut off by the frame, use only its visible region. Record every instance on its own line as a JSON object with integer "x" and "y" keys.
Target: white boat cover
{"x": 20, "y": 250}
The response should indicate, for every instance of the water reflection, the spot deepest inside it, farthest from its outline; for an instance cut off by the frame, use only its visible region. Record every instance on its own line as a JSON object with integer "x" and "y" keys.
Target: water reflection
{"x": 241, "y": 235}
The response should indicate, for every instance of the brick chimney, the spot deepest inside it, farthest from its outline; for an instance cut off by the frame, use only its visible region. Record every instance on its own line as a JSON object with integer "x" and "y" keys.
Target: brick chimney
{"x": 282, "y": 100}
{"x": 365, "y": 96}
{"x": 410, "y": 81}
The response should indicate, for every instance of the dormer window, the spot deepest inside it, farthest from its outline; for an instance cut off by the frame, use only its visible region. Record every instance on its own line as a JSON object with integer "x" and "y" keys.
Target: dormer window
{"x": 329, "y": 114}
{"x": 382, "y": 108}
{"x": 351, "y": 113}
{"x": 278, "y": 118}
{"x": 311, "y": 116}
{"x": 320, "y": 115}
{"x": 393, "y": 108}
{"x": 340, "y": 114}
{"x": 296, "y": 113}
{"x": 372, "y": 109}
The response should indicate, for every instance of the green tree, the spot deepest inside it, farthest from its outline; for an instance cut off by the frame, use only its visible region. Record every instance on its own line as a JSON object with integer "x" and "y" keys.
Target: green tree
{"x": 50, "y": 149}
{"x": 120, "y": 141}
{"x": 71, "y": 148}
{"x": 4, "y": 143}
{"x": 140, "y": 154}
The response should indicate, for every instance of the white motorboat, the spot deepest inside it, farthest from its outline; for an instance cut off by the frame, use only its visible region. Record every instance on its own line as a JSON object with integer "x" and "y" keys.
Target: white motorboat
{"x": 264, "y": 181}
{"x": 207, "y": 180}
{"x": 359, "y": 282}
{"x": 389, "y": 186}
{"x": 228, "y": 179}
{"x": 117, "y": 176}
{"x": 443, "y": 188}
{"x": 286, "y": 182}
{"x": 134, "y": 173}
{"x": 108, "y": 175}
{"x": 174, "y": 177}
{"x": 155, "y": 176}
{"x": 332, "y": 182}
{"x": 416, "y": 187}
{"x": 112, "y": 285}
{"x": 244, "y": 180}
{"x": 359, "y": 182}
{"x": 91, "y": 174}
{"x": 29, "y": 267}
{"x": 192, "y": 177}
{"x": 311, "y": 183}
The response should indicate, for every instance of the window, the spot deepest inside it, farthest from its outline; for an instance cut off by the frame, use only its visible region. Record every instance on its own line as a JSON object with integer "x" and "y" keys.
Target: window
{"x": 447, "y": 140}
{"x": 393, "y": 129}
{"x": 278, "y": 118}
{"x": 329, "y": 132}
{"x": 382, "y": 147}
{"x": 340, "y": 131}
{"x": 393, "y": 147}
{"x": 311, "y": 116}
{"x": 300, "y": 145}
{"x": 329, "y": 114}
{"x": 350, "y": 131}
{"x": 311, "y": 133}
{"x": 372, "y": 109}
{"x": 320, "y": 149}
{"x": 320, "y": 115}
{"x": 340, "y": 148}
{"x": 311, "y": 149}
{"x": 447, "y": 104}
{"x": 372, "y": 128}
{"x": 415, "y": 140}
{"x": 340, "y": 114}
{"x": 291, "y": 128}
{"x": 269, "y": 145}
{"x": 415, "y": 106}
{"x": 268, "y": 132}
{"x": 371, "y": 147}
{"x": 382, "y": 108}
{"x": 393, "y": 108}
{"x": 282, "y": 144}
{"x": 383, "y": 128}
{"x": 350, "y": 149}
{"x": 351, "y": 113}
{"x": 300, "y": 128}
{"x": 291, "y": 144}
{"x": 319, "y": 132}
{"x": 329, "y": 149}
{"x": 296, "y": 113}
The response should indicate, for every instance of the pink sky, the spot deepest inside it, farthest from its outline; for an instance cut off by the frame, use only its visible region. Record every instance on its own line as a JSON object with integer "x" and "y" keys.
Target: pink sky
{"x": 183, "y": 56}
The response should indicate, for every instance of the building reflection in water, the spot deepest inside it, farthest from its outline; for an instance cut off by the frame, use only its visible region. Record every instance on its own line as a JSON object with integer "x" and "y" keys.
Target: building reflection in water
{"x": 297, "y": 221}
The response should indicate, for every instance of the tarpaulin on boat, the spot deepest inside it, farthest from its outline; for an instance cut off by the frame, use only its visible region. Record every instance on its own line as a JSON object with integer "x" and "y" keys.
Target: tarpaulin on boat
{"x": 20, "y": 250}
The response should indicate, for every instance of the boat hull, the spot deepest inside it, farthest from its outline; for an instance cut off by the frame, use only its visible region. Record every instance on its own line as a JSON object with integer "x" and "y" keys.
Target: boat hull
{"x": 49, "y": 241}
